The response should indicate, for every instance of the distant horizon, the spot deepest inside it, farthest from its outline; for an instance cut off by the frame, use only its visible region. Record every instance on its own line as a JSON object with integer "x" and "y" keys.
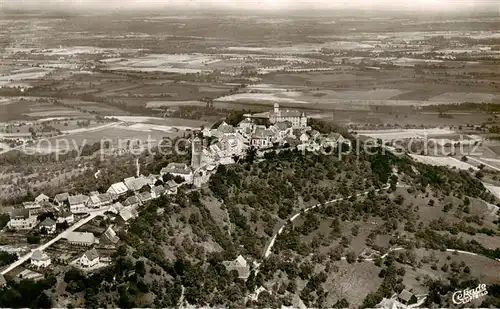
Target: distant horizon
{"x": 446, "y": 7}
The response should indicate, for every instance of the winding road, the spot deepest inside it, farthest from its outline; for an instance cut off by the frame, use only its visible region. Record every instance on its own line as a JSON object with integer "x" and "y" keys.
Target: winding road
{"x": 269, "y": 247}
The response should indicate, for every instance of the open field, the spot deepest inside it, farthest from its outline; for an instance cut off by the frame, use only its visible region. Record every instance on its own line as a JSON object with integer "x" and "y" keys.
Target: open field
{"x": 443, "y": 161}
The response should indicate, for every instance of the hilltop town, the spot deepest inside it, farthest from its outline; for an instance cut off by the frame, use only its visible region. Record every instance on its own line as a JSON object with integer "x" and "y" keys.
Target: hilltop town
{"x": 277, "y": 159}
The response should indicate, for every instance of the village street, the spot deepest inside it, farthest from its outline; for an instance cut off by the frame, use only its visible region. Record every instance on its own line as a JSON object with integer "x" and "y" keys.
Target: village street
{"x": 92, "y": 214}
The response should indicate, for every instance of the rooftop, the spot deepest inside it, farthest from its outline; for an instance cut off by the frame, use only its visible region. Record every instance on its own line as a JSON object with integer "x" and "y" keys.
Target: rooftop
{"x": 80, "y": 237}
{"x": 19, "y": 213}
{"x": 91, "y": 254}
{"x": 39, "y": 256}
{"x": 176, "y": 168}
{"x": 119, "y": 187}
{"x": 77, "y": 199}
{"x": 48, "y": 222}
{"x": 405, "y": 295}
{"x": 62, "y": 197}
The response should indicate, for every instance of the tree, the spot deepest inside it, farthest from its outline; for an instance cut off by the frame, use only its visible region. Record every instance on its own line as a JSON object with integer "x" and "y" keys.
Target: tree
{"x": 140, "y": 268}
{"x": 43, "y": 301}
{"x": 33, "y": 239}
{"x": 351, "y": 257}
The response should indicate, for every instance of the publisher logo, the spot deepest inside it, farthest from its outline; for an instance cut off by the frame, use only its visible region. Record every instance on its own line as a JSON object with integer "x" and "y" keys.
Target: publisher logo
{"x": 468, "y": 295}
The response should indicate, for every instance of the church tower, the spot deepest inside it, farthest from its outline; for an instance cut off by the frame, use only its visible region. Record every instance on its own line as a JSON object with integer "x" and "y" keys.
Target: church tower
{"x": 276, "y": 109}
{"x": 196, "y": 151}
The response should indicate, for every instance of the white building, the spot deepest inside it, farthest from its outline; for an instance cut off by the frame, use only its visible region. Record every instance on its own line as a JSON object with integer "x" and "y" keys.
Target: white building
{"x": 31, "y": 205}
{"x": 61, "y": 198}
{"x": 110, "y": 234}
{"x": 171, "y": 187}
{"x": 89, "y": 259}
{"x": 81, "y": 238}
{"x": 66, "y": 216}
{"x": 240, "y": 265}
{"x": 41, "y": 198}
{"x": 77, "y": 203}
{"x": 262, "y": 138}
{"x": 22, "y": 219}
{"x": 178, "y": 169}
{"x": 296, "y": 118}
{"x": 99, "y": 200}
{"x": 48, "y": 225}
{"x": 135, "y": 184}
{"x": 157, "y": 191}
{"x": 40, "y": 259}
{"x": 118, "y": 189}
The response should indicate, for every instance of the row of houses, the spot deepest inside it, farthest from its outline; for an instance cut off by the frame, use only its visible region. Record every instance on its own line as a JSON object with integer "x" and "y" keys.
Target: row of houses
{"x": 40, "y": 259}
{"x": 26, "y": 219}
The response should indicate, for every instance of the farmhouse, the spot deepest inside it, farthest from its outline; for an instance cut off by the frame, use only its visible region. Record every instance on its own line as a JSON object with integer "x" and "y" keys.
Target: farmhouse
{"x": 128, "y": 213}
{"x": 171, "y": 187}
{"x": 31, "y": 205}
{"x": 81, "y": 238}
{"x": 40, "y": 259}
{"x": 178, "y": 169}
{"x": 240, "y": 265}
{"x": 262, "y": 137}
{"x": 48, "y": 225}
{"x": 41, "y": 198}
{"x": 135, "y": 184}
{"x": 61, "y": 198}
{"x": 99, "y": 200}
{"x": 77, "y": 203}
{"x": 283, "y": 129}
{"x": 22, "y": 219}
{"x": 118, "y": 189}
{"x": 115, "y": 208}
{"x": 89, "y": 259}
{"x": 145, "y": 196}
{"x": 66, "y": 216}
{"x": 157, "y": 191}
{"x": 110, "y": 234}
{"x": 132, "y": 201}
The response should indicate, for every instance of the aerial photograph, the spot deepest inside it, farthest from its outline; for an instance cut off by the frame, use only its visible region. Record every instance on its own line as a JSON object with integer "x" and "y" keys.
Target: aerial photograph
{"x": 250, "y": 154}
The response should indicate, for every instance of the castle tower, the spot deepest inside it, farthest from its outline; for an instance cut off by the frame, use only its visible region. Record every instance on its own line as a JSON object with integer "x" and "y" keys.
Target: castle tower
{"x": 196, "y": 151}
{"x": 276, "y": 108}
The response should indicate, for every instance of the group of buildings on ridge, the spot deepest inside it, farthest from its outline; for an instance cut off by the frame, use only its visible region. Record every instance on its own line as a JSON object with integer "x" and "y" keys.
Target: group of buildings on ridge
{"x": 124, "y": 198}
{"x": 286, "y": 127}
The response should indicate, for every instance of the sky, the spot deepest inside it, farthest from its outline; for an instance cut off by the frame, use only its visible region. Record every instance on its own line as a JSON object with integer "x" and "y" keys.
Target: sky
{"x": 392, "y": 5}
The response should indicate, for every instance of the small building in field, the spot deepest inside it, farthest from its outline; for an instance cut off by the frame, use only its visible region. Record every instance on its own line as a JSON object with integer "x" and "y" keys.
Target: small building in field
{"x": 240, "y": 265}
{"x": 81, "y": 238}
{"x": 40, "y": 259}
{"x": 90, "y": 258}
{"x": 48, "y": 225}
{"x": 406, "y": 297}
